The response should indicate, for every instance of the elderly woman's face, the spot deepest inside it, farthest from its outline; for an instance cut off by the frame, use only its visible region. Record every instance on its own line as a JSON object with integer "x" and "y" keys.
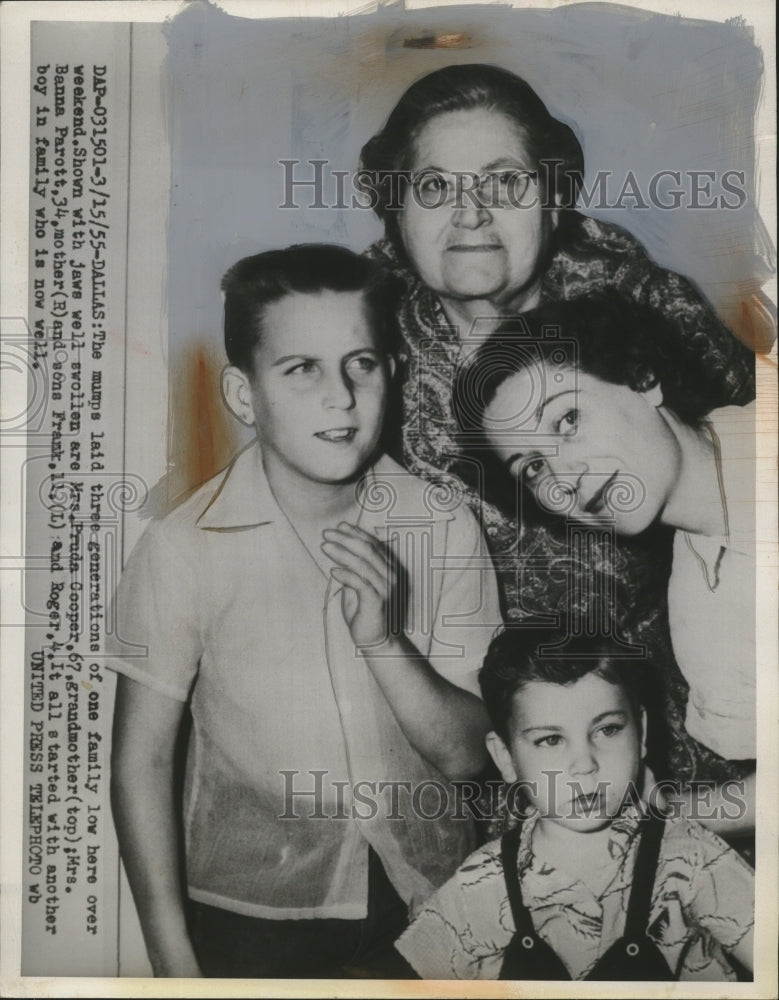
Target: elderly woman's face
{"x": 585, "y": 448}
{"x": 483, "y": 244}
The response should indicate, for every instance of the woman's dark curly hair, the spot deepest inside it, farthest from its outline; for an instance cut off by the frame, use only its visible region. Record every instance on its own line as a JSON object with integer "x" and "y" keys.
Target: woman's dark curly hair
{"x": 552, "y": 145}
{"x": 605, "y": 335}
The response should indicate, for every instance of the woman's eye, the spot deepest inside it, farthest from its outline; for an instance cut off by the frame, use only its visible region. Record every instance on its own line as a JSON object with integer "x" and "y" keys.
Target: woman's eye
{"x": 568, "y": 423}
{"x": 532, "y": 470}
{"x": 553, "y": 740}
{"x": 611, "y": 729}
{"x": 431, "y": 187}
{"x": 511, "y": 184}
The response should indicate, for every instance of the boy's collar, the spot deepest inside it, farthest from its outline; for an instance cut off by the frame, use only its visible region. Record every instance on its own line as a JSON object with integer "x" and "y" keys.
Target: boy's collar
{"x": 623, "y": 829}
{"x": 244, "y": 498}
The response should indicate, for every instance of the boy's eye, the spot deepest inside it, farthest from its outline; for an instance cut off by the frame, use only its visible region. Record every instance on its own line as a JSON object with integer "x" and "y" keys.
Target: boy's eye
{"x": 611, "y": 728}
{"x": 363, "y": 365}
{"x": 552, "y": 740}
{"x": 302, "y": 368}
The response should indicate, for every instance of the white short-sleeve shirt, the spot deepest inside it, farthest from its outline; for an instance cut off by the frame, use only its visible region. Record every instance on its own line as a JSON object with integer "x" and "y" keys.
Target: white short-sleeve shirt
{"x": 296, "y": 762}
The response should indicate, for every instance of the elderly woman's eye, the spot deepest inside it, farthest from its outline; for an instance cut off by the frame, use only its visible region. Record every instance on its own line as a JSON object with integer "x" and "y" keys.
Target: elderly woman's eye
{"x": 509, "y": 185}
{"x": 432, "y": 187}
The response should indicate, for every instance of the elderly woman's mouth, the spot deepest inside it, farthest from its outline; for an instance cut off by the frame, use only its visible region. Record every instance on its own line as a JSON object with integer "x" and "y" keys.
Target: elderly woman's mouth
{"x": 474, "y": 247}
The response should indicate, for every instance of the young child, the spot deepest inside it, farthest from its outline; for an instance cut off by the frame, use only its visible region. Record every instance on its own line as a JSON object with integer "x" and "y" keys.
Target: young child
{"x": 324, "y": 734}
{"x": 590, "y": 885}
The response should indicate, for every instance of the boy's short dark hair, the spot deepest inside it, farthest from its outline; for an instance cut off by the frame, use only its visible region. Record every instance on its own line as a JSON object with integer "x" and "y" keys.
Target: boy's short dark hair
{"x": 518, "y": 656}
{"x": 253, "y": 283}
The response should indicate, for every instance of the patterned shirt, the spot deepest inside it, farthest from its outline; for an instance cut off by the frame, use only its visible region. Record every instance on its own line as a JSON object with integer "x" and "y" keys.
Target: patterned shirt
{"x": 702, "y": 907}
{"x": 540, "y": 572}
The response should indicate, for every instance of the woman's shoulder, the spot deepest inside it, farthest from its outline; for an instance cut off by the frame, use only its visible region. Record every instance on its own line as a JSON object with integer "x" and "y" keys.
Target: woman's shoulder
{"x": 585, "y": 236}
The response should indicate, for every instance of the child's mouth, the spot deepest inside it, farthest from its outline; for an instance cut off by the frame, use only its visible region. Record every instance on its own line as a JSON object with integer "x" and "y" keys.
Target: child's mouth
{"x": 338, "y": 435}
{"x": 588, "y": 805}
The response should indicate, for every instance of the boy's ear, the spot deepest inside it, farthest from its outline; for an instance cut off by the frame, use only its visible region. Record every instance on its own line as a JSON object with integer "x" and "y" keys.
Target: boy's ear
{"x": 500, "y": 754}
{"x": 237, "y": 394}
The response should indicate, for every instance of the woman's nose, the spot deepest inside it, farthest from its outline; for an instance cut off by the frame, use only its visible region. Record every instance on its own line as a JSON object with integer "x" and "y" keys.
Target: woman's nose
{"x": 567, "y": 472}
{"x": 470, "y": 213}
{"x": 338, "y": 392}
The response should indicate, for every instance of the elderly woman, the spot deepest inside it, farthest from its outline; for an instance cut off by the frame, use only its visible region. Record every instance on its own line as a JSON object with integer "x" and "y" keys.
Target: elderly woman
{"x": 605, "y": 427}
{"x": 476, "y": 183}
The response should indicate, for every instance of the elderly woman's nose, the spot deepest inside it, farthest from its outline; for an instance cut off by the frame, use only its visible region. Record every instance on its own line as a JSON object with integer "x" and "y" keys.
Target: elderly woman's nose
{"x": 470, "y": 213}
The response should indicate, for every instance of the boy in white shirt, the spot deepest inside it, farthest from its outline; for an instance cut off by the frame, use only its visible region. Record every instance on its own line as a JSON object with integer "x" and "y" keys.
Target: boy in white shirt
{"x": 325, "y": 613}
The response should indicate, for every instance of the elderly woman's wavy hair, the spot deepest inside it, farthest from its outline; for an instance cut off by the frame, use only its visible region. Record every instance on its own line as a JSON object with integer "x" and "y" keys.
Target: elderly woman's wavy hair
{"x": 607, "y": 336}
{"x": 552, "y": 145}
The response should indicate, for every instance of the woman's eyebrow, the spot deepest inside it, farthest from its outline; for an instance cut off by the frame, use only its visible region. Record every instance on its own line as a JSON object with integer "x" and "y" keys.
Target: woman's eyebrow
{"x": 547, "y": 729}
{"x": 550, "y": 399}
{"x": 504, "y": 161}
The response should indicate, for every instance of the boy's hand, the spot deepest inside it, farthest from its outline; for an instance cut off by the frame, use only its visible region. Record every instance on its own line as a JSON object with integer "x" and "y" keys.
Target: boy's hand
{"x": 370, "y": 579}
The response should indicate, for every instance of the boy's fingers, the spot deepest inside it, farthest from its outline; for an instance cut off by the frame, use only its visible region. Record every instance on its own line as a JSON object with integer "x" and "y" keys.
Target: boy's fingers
{"x": 349, "y": 578}
{"x": 365, "y": 570}
{"x": 367, "y": 551}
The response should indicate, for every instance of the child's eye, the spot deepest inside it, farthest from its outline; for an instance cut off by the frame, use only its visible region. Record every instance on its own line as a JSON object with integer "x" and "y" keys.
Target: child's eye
{"x": 568, "y": 423}
{"x": 611, "y": 728}
{"x": 365, "y": 364}
{"x": 302, "y": 368}
{"x": 552, "y": 740}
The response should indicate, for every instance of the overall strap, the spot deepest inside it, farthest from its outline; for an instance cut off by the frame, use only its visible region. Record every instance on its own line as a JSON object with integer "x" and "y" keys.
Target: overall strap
{"x": 509, "y": 851}
{"x": 644, "y": 872}
{"x": 527, "y": 955}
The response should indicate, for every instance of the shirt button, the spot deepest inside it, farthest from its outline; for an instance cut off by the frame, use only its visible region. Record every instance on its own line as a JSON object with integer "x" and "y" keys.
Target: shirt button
{"x": 632, "y": 950}
{"x": 527, "y": 941}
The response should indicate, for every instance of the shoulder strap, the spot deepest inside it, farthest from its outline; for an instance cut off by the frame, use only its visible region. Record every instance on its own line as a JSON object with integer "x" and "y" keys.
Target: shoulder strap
{"x": 644, "y": 872}
{"x": 509, "y": 851}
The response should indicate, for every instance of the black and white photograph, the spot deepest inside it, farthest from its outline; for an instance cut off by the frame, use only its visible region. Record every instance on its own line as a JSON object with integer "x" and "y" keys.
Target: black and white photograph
{"x": 389, "y": 499}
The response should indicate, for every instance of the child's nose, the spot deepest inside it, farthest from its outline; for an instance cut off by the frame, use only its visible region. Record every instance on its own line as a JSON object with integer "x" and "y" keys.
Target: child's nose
{"x": 584, "y": 761}
{"x": 338, "y": 392}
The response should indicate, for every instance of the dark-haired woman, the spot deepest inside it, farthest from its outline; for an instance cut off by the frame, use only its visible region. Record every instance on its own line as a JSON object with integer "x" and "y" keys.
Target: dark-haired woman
{"x": 476, "y": 184}
{"x": 601, "y": 427}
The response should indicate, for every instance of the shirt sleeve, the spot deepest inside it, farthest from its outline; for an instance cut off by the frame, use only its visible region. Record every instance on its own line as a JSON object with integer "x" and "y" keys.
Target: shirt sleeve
{"x": 721, "y": 893}
{"x": 157, "y": 641}
{"x": 435, "y": 943}
{"x": 468, "y": 611}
